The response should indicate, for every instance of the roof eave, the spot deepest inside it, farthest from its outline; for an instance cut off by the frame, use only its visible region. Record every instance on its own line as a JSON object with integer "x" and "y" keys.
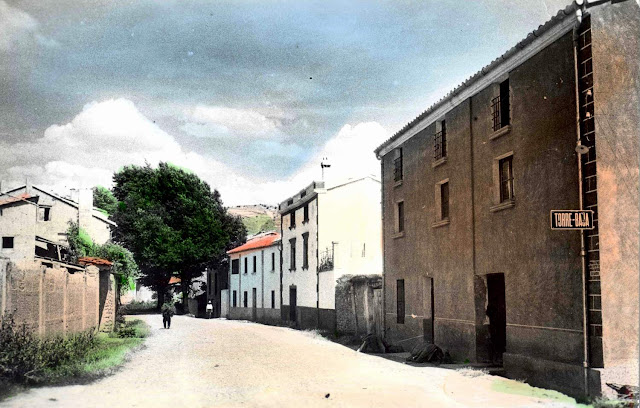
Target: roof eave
{"x": 534, "y": 42}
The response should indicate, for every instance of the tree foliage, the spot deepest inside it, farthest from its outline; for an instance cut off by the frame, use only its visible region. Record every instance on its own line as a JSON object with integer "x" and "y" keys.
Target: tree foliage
{"x": 173, "y": 223}
{"x": 104, "y": 200}
{"x": 80, "y": 245}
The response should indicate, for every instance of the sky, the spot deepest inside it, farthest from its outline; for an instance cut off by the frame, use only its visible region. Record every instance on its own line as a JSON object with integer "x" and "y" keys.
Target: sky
{"x": 249, "y": 95}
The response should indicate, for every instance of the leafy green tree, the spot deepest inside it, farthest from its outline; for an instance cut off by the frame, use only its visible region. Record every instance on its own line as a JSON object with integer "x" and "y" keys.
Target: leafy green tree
{"x": 80, "y": 245}
{"x": 104, "y": 199}
{"x": 173, "y": 223}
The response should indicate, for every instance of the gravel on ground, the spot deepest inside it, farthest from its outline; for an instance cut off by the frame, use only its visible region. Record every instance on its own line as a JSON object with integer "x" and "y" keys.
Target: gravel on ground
{"x": 224, "y": 363}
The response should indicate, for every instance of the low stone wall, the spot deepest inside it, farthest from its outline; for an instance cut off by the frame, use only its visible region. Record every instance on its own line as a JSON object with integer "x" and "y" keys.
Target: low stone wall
{"x": 50, "y": 297}
{"x": 355, "y": 304}
{"x": 108, "y": 304}
{"x": 266, "y": 316}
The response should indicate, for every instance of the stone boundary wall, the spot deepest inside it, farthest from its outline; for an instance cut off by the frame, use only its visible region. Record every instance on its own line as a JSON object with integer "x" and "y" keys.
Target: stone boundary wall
{"x": 49, "y": 297}
{"x": 355, "y": 304}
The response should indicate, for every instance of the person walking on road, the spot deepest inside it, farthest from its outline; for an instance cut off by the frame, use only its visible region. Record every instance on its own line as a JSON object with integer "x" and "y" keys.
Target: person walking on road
{"x": 209, "y": 309}
{"x": 168, "y": 310}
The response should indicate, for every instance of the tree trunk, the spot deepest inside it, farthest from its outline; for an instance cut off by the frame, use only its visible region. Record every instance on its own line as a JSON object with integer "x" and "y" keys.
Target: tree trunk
{"x": 185, "y": 296}
{"x": 160, "y": 292}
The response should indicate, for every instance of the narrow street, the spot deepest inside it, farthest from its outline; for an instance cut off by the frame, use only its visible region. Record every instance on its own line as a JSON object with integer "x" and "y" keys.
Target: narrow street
{"x": 220, "y": 363}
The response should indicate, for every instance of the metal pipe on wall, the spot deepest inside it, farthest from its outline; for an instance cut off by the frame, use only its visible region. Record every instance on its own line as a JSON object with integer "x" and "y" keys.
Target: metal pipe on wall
{"x": 583, "y": 253}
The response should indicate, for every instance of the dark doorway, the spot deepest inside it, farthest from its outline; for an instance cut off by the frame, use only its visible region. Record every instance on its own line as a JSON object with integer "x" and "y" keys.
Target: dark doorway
{"x": 497, "y": 313}
{"x": 293, "y": 303}
{"x": 254, "y": 305}
{"x": 427, "y": 309}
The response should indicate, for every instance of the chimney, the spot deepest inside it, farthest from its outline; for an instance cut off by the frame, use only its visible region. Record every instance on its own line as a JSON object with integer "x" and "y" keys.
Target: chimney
{"x": 73, "y": 194}
{"x": 27, "y": 188}
{"x": 85, "y": 208}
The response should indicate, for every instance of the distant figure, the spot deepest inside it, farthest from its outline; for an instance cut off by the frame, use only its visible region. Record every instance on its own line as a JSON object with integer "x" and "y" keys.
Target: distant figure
{"x": 209, "y": 309}
{"x": 168, "y": 310}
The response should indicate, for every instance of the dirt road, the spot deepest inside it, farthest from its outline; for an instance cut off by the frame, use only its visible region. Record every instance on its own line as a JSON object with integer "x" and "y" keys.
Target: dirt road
{"x": 220, "y": 363}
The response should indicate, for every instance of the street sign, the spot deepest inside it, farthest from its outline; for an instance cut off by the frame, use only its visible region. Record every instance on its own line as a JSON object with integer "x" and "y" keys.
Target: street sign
{"x": 572, "y": 219}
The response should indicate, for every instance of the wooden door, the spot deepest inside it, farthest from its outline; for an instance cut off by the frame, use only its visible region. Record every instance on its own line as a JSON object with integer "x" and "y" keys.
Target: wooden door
{"x": 378, "y": 312}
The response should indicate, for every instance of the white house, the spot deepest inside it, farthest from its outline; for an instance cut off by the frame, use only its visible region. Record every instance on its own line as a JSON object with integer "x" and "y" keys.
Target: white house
{"x": 327, "y": 233}
{"x": 254, "y": 280}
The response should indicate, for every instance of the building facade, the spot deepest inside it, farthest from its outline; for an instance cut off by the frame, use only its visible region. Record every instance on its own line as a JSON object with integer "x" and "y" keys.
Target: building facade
{"x": 470, "y": 260}
{"x": 254, "y": 279}
{"x": 34, "y": 221}
{"x": 327, "y": 233}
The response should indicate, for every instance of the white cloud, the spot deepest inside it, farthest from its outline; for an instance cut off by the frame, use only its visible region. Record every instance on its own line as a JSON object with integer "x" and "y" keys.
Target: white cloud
{"x": 217, "y": 121}
{"x": 350, "y": 153}
{"x": 110, "y": 134}
{"x": 16, "y": 26}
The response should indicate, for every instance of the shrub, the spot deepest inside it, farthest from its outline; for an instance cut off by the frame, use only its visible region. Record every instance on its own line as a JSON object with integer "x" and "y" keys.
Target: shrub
{"x": 26, "y": 358}
{"x": 139, "y": 307}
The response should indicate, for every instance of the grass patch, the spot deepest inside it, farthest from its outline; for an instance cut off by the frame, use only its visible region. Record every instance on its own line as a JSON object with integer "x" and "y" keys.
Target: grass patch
{"x": 27, "y": 360}
{"x": 109, "y": 352}
{"x": 520, "y": 388}
{"x": 259, "y": 223}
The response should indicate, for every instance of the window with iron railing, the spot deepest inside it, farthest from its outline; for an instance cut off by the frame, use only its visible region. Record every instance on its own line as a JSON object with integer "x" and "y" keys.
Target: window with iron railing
{"x": 500, "y": 108}
{"x": 397, "y": 165}
{"x": 440, "y": 142}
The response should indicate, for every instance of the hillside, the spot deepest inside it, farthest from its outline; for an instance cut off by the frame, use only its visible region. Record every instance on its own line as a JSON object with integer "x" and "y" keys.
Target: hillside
{"x": 257, "y": 218}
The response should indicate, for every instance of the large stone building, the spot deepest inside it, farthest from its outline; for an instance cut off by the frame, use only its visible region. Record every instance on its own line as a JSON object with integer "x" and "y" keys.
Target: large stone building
{"x": 470, "y": 260}
{"x": 327, "y": 233}
{"x": 254, "y": 279}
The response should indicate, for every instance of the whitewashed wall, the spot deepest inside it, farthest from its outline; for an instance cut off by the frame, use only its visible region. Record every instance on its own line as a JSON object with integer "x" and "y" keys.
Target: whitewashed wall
{"x": 304, "y": 280}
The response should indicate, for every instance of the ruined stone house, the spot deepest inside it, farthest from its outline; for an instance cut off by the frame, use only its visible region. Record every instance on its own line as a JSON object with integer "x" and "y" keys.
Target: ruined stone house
{"x": 34, "y": 221}
{"x": 470, "y": 260}
{"x": 39, "y": 285}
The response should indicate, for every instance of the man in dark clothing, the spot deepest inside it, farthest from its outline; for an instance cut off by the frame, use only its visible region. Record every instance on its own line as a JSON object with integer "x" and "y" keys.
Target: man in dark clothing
{"x": 168, "y": 310}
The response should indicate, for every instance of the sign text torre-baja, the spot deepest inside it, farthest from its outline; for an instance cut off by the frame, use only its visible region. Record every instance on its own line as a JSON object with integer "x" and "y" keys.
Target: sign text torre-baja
{"x": 572, "y": 219}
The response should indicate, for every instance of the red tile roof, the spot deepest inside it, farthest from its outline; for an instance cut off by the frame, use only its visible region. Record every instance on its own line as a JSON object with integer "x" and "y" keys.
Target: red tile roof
{"x": 9, "y": 200}
{"x": 91, "y": 260}
{"x": 174, "y": 279}
{"x": 260, "y": 241}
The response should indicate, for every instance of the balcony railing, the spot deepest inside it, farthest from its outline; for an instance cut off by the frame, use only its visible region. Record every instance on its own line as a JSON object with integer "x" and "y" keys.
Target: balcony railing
{"x": 440, "y": 145}
{"x": 495, "y": 113}
{"x": 326, "y": 260}
{"x": 397, "y": 169}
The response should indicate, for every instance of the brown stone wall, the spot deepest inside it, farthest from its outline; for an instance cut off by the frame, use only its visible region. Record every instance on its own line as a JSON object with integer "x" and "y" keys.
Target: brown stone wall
{"x": 427, "y": 251}
{"x": 541, "y": 267}
{"x": 48, "y": 298}
{"x": 617, "y": 128}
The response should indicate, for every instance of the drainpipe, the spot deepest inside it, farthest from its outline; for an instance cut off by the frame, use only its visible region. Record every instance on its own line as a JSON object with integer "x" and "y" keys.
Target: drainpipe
{"x": 583, "y": 252}
{"x": 318, "y": 259}
{"x": 384, "y": 287}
